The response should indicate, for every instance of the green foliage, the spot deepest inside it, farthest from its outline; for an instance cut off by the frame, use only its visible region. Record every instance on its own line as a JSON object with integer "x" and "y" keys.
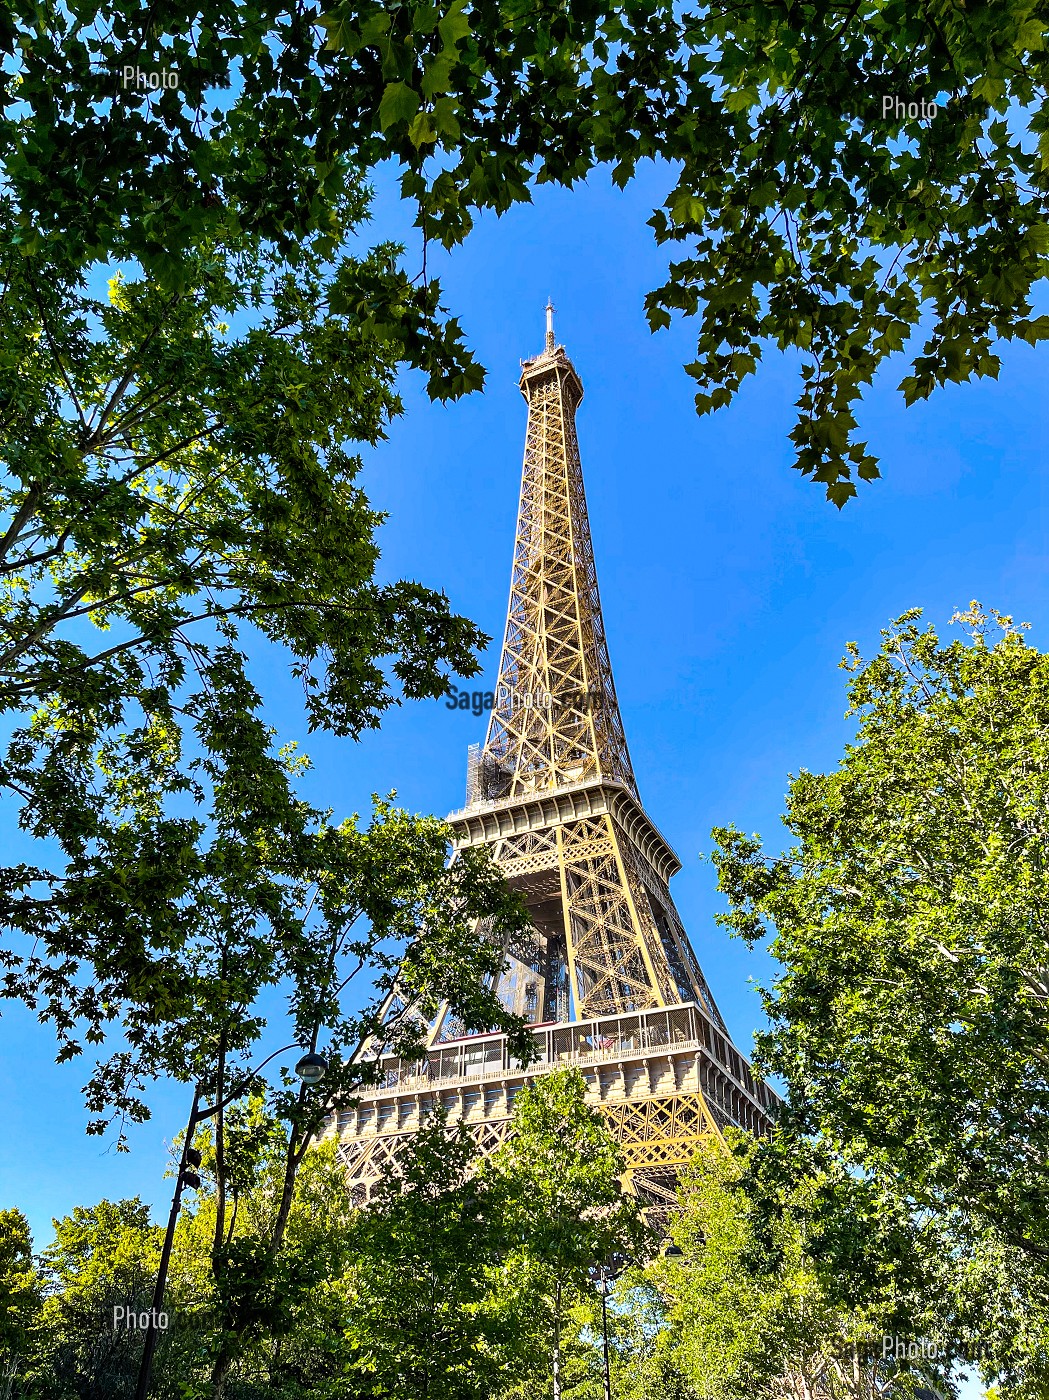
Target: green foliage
{"x": 909, "y": 1020}
{"x": 175, "y": 493}
{"x": 561, "y": 1168}
{"x": 644, "y": 1362}
{"x": 803, "y": 215}
{"x": 755, "y": 1313}
{"x": 274, "y": 1317}
{"x": 169, "y": 479}
{"x": 418, "y": 948}
{"x": 97, "y": 1251}
{"x": 436, "y": 1288}
{"x": 102, "y": 1258}
{"x": 815, "y": 221}
{"x": 20, "y": 1296}
{"x": 178, "y": 493}
{"x": 422, "y": 1322}
{"x": 441, "y": 1287}
{"x": 910, "y": 1017}
{"x": 106, "y": 1256}
{"x": 469, "y": 1273}
{"x": 559, "y": 1175}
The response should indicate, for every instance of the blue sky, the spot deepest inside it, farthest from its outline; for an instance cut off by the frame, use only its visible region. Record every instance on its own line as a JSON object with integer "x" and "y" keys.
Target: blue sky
{"x": 729, "y": 585}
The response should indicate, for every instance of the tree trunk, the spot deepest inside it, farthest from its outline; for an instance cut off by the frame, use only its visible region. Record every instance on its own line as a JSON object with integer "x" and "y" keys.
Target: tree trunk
{"x": 557, "y": 1340}
{"x": 222, "y": 1367}
{"x": 220, "y": 1137}
{"x": 10, "y": 1369}
{"x": 231, "y": 1345}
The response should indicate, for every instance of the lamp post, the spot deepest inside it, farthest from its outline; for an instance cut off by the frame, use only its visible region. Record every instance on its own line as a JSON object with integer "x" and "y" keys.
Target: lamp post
{"x": 311, "y": 1069}
{"x": 605, "y": 1274}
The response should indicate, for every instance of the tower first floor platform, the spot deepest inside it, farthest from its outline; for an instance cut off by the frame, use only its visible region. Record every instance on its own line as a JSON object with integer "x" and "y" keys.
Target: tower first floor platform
{"x": 663, "y": 1079}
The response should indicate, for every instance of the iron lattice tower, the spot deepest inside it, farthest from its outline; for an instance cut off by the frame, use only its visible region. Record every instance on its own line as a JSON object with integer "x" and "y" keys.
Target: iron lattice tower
{"x": 607, "y": 975}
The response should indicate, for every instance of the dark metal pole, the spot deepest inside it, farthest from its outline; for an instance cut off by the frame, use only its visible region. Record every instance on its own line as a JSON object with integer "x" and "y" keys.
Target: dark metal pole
{"x": 145, "y": 1369}
{"x": 604, "y": 1334}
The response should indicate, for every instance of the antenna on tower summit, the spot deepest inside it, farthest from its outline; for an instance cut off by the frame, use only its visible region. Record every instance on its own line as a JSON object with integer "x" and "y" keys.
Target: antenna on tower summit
{"x": 549, "y": 324}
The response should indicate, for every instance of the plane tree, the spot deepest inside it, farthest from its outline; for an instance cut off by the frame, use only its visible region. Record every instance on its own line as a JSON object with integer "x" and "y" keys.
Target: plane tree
{"x": 909, "y": 1013}
{"x": 841, "y": 178}
{"x": 179, "y": 496}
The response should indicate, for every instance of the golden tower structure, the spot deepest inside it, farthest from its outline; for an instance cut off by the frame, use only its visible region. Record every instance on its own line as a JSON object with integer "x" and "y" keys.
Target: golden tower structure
{"x": 607, "y": 976}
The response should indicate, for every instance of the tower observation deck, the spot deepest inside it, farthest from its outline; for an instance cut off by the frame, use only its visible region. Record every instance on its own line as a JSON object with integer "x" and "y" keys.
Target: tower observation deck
{"x": 607, "y": 975}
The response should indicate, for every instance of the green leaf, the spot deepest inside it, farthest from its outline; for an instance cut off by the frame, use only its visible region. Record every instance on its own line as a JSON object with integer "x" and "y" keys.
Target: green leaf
{"x": 444, "y": 113}
{"x": 422, "y": 131}
{"x": 426, "y": 18}
{"x": 454, "y": 27}
{"x": 399, "y": 104}
{"x": 341, "y": 34}
{"x": 375, "y": 28}
{"x": 436, "y": 76}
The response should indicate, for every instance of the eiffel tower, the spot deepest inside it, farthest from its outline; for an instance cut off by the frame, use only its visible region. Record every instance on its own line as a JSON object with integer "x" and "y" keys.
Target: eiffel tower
{"x": 607, "y": 975}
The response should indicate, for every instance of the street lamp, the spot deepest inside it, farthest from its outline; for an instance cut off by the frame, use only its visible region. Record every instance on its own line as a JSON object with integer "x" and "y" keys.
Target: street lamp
{"x": 311, "y": 1069}
{"x": 605, "y": 1274}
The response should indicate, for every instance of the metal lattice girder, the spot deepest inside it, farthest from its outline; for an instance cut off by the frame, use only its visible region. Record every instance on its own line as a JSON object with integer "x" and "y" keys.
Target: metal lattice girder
{"x": 616, "y": 943}
{"x": 658, "y": 1137}
{"x": 614, "y": 954}
{"x": 552, "y": 797}
{"x": 556, "y": 717}
{"x": 368, "y": 1161}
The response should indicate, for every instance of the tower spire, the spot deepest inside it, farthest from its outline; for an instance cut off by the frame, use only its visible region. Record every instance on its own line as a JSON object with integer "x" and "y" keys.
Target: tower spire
{"x": 556, "y": 721}
{"x": 549, "y": 325}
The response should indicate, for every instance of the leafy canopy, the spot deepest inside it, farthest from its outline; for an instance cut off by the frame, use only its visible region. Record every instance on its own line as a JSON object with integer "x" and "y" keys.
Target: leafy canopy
{"x": 177, "y": 490}
{"x": 802, "y": 215}
{"x": 757, "y": 1309}
{"x": 910, "y": 1017}
{"x": 102, "y": 1257}
{"x": 20, "y": 1292}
